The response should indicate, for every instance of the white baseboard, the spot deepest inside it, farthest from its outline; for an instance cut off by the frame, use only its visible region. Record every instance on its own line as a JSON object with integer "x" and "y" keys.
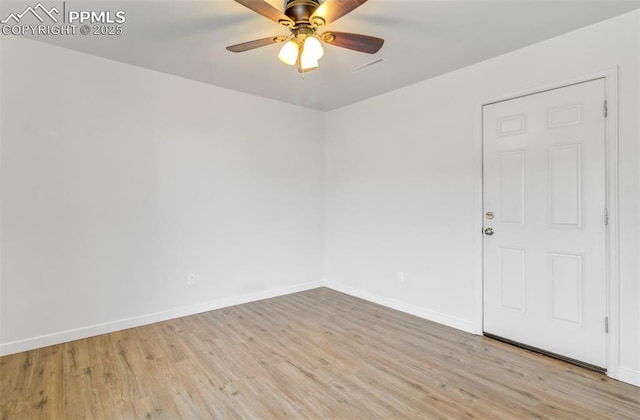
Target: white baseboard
{"x": 107, "y": 327}
{"x": 629, "y": 376}
{"x": 440, "y": 318}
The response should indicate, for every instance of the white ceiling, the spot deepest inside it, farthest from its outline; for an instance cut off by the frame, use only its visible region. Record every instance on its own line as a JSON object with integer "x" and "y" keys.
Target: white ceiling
{"x": 423, "y": 38}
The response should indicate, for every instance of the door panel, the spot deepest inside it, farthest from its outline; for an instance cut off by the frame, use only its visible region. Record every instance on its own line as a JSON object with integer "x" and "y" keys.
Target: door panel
{"x": 512, "y": 192}
{"x": 512, "y": 278}
{"x": 544, "y": 199}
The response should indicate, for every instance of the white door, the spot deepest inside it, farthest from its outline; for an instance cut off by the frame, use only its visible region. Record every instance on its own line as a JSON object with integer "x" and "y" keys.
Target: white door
{"x": 544, "y": 221}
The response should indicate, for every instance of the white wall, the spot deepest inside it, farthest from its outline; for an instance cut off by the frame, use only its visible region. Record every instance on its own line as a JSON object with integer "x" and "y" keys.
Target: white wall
{"x": 118, "y": 181}
{"x": 402, "y": 180}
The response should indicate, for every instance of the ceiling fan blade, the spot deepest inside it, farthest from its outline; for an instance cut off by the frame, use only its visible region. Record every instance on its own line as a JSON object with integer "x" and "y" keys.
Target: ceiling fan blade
{"x": 332, "y": 10}
{"x": 363, "y": 43}
{"x": 257, "y": 43}
{"x": 267, "y": 10}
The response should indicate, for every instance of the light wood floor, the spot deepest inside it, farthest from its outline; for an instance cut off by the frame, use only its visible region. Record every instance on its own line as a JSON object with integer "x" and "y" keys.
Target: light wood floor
{"x": 308, "y": 355}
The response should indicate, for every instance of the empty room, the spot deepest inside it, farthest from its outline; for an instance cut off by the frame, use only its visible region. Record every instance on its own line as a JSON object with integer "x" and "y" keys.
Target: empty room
{"x": 349, "y": 209}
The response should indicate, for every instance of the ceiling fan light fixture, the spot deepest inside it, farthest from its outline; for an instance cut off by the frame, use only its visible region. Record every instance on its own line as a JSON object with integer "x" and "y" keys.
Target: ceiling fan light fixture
{"x": 303, "y": 47}
{"x": 289, "y": 53}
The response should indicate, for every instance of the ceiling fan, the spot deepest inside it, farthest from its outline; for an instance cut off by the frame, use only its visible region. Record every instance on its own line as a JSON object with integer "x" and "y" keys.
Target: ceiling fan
{"x": 303, "y": 48}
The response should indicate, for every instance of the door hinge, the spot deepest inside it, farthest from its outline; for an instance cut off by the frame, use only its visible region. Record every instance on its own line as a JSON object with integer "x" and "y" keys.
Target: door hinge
{"x": 606, "y": 216}
{"x": 606, "y": 324}
{"x": 606, "y": 109}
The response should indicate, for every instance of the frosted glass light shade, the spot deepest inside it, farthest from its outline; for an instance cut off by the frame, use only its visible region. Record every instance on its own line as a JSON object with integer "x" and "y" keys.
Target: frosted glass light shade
{"x": 313, "y": 48}
{"x": 308, "y": 63}
{"x": 289, "y": 53}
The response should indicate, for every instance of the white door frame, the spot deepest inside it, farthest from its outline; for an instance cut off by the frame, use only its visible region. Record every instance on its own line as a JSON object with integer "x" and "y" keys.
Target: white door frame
{"x": 612, "y": 233}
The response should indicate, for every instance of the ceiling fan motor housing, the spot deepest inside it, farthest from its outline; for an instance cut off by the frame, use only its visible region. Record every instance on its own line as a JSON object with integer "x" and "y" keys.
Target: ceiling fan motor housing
{"x": 300, "y": 11}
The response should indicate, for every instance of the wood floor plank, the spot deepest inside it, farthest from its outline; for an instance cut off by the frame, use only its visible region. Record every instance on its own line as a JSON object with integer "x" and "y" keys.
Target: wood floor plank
{"x": 315, "y": 354}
